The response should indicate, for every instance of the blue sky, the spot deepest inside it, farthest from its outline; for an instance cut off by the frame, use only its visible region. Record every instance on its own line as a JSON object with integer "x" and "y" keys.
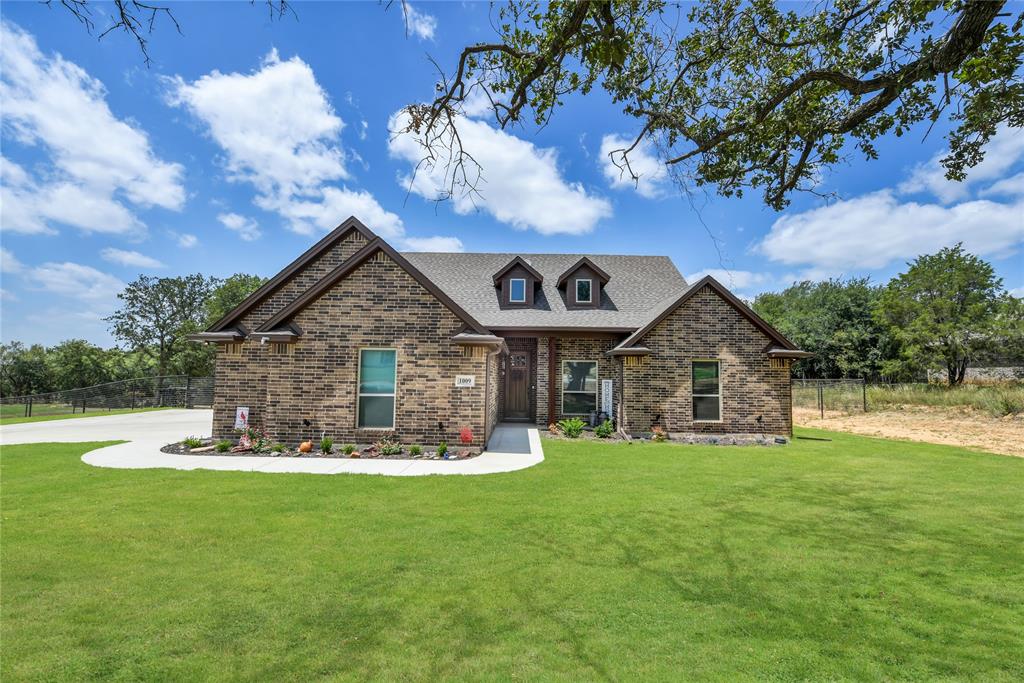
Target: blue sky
{"x": 247, "y": 138}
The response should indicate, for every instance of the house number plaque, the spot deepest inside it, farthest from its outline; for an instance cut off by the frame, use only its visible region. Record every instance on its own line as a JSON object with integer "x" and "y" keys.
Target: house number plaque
{"x": 465, "y": 381}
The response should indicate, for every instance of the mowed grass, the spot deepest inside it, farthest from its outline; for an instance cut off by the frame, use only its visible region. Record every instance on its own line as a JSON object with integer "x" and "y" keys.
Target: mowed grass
{"x": 854, "y": 558}
{"x": 13, "y": 417}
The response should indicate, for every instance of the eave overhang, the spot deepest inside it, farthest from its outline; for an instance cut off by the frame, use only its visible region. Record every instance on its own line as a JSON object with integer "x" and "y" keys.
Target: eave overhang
{"x": 231, "y": 335}
{"x": 779, "y": 352}
{"x": 629, "y": 351}
{"x": 517, "y": 261}
{"x": 601, "y": 274}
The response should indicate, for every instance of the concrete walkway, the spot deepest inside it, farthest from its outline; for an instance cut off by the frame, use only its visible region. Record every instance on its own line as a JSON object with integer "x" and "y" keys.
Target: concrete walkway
{"x": 512, "y": 447}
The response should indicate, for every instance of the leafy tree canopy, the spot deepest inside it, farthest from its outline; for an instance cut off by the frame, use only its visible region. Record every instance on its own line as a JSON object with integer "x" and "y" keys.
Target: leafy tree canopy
{"x": 738, "y": 95}
{"x": 948, "y": 309}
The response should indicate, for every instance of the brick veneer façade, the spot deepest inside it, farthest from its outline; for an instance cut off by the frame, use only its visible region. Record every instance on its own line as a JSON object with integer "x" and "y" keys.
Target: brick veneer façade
{"x": 377, "y": 305}
{"x": 706, "y": 327}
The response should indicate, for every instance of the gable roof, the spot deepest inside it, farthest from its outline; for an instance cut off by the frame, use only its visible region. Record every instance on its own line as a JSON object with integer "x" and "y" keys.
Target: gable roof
{"x": 637, "y": 286}
{"x": 325, "y": 283}
{"x": 729, "y": 297}
{"x": 519, "y": 261}
{"x": 601, "y": 275}
{"x": 292, "y": 269}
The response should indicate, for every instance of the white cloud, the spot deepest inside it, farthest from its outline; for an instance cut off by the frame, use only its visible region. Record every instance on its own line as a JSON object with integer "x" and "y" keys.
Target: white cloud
{"x": 7, "y": 295}
{"x": 9, "y": 263}
{"x": 187, "y": 241}
{"x": 653, "y": 175}
{"x": 1007, "y": 187}
{"x": 521, "y": 185}
{"x": 1017, "y": 292}
{"x": 281, "y": 134}
{"x": 450, "y": 244}
{"x": 76, "y": 281}
{"x": 872, "y": 230}
{"x": 733, "y": 279}
{"x": 333, "y": 205}
{"x": 130, "y": 258}
{"x": 421, "y": 24}
{"x": 99, "y": 162}
{"x": 1003, "y": 151}
{"x": 247, "y": 228}
{"x": 276, "y": 126}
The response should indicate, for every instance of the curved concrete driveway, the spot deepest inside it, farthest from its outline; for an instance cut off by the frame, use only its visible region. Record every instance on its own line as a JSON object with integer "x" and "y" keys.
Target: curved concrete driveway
{"x": 512, "y": 447}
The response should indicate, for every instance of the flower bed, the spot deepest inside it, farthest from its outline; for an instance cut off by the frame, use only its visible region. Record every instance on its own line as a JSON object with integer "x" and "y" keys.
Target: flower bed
{"x": 366, "y": 451}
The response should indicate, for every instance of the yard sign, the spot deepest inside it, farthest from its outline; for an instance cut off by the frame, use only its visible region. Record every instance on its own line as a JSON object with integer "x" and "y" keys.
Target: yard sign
{"x": 241, "y": 417}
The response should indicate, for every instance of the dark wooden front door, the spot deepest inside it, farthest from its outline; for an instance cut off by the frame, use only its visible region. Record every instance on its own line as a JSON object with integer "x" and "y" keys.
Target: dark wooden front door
{"x": 517, "y": 386}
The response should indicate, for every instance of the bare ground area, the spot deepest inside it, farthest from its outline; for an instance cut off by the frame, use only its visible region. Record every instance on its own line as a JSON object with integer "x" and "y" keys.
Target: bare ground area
{"x": 951, "y": 426}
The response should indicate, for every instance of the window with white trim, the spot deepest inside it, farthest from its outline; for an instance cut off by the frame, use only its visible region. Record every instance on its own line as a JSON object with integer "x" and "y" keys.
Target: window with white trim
{"x": 707, "y": 391}
{"x": 579, "y": 387}
{"x": 377, "y": 379}
{"x": 517, "y": 290}
{"x": 584, "y": 294}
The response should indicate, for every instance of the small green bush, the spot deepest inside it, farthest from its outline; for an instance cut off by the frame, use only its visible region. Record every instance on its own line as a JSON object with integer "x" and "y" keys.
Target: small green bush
{"x": 349, "y": 448}
{"x": 442, "y": 449}
{"x": 191, "y": 442}
{"x": 388, "y": 446}
{"x": 277, "y": 448}
{"x": 604, "y": 430}
{"x": 572, "y": 427}
{"x": 1003, "y": 402}
{"x": 223, "y": 446}
{"x": 415, "y": 449}
{"x": 326, "y": 443}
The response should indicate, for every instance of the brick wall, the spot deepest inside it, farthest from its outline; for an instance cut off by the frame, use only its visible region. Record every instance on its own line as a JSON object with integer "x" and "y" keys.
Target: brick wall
{"x": 377, "y": 305}
{"x": 582, "y": 348}
{"x": 542, "y": 381}
{"x": 312, "y": 273}
{"x": 707, "y": 327}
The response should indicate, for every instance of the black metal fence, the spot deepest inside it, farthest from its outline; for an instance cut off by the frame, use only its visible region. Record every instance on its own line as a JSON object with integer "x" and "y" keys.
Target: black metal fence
{"x": 823, "y": 395}
{"x": 172, "y": 391}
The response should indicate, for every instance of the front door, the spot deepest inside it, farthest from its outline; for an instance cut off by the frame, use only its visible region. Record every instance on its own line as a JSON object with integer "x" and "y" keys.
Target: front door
{"x": 517, "y": 386}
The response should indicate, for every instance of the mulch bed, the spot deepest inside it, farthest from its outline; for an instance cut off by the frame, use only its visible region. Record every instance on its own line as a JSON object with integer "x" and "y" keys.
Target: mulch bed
{"x": 678, "y": 437}
{"x": 366, "y": 452}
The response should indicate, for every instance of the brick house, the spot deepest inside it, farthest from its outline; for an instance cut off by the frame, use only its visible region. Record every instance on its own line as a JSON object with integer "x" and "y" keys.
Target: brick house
{"x": 356, "y": 339}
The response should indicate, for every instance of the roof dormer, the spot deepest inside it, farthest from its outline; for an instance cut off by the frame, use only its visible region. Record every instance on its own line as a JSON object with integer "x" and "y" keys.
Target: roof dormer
{"x": 583, "y": 282}
{"x": 517, "y": 282}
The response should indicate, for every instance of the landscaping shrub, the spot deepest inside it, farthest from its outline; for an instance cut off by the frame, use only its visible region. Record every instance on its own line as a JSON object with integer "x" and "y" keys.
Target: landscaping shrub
{"x": 415, "y": 449}
{"x": 349, "y": 448}
{"x": 466, "y": 436}
{"x": 604, "y": 430}
{"x": 191, "y": 442}
{"x": 572, "y": 427}
{"x": 277, "y": 448}
{"x": 326, "y": 443}
{"x": 658, "y": 434}
{"x": 223, "y": 446}
{"x": 442, "y": 449}
{"x": 388, "y": 446}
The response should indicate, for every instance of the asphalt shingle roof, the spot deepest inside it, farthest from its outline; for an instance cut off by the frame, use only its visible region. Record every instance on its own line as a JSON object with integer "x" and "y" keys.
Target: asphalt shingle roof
{"x": 638, "y": 288}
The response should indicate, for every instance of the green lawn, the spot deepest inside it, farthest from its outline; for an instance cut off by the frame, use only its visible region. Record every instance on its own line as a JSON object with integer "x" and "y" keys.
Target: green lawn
{"x": 12, "y": 417}
{"x": 855, "y": 558}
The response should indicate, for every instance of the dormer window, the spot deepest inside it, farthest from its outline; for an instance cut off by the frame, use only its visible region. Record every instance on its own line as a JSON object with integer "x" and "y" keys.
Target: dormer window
{"x": 583, "y": 291}
{"x": 583, "y": 283}
{"x": 517, "y": 283}
{"x": 517, "y": 290}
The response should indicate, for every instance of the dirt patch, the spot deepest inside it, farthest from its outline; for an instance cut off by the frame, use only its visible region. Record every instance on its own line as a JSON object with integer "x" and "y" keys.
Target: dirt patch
{"x": 951, "y": 426}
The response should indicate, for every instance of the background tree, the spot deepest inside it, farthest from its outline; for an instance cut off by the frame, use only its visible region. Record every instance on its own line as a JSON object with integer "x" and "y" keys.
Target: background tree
{"x": 24, "y": 369}
{"x": 77, "y": 363}
{"x": 753, "y": 94}
{"x": 229, "y": 293}
{"x": 835, "y": 320}
{"x": 157, "y": 313}
{"x": 945, "y": 311}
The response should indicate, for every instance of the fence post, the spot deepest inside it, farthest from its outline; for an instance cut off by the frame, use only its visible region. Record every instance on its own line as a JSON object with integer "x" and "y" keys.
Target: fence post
{"x": 188, "y": 391}
{"x": 864, "y": 389}
{"x": 821, "y": 400}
